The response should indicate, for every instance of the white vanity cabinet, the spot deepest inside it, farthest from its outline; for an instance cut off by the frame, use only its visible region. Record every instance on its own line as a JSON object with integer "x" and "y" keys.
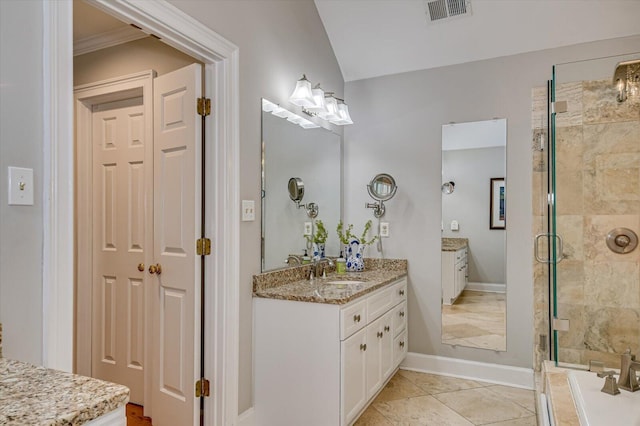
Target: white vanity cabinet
{"x": 454, "y": 274}
{"x": 321, "y": 364}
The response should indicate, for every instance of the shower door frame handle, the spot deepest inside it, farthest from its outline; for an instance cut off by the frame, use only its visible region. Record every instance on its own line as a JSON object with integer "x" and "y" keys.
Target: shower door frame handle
{"x": 536, "y": 245}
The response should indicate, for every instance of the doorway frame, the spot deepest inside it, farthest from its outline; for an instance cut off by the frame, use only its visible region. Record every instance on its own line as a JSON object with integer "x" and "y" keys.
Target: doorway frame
{"x": 221, "y": 59}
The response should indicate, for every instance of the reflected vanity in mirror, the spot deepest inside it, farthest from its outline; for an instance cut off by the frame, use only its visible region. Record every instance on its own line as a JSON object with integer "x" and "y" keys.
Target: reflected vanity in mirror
{"x": 301, "y": 184}
{"x": 473, "y": 249}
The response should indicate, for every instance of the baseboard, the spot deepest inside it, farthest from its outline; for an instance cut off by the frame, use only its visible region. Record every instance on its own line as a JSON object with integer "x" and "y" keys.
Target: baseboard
{"x": 247, "y": 418}
{"x": 487, "y": 287}
{"x": 494, "y": 373}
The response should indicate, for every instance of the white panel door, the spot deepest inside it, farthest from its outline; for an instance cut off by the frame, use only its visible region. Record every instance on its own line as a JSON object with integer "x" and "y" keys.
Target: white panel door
{"x": 177, "y": 192}
{"x": 121, "y": 225}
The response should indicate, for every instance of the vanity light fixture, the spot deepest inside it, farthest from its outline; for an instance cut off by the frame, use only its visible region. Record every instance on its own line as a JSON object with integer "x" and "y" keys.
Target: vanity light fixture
{"x": 318, "y": 103}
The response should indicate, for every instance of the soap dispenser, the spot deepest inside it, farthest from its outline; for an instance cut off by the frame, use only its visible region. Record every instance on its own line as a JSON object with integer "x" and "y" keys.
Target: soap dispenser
{"x": 341, "y": 264}
{"x": 306, "y": 258}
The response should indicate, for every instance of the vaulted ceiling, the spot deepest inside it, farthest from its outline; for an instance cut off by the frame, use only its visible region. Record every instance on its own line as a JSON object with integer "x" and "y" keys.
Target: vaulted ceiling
{"x": 378, "y": 37}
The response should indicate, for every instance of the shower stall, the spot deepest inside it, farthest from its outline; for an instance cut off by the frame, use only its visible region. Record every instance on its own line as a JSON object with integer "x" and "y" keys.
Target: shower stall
{"x": 586, "y": 208}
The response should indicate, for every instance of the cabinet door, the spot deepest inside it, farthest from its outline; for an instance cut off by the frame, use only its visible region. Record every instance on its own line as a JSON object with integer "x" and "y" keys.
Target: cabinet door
{"x": 353, "y": 366}
{"x": 386, "y": 346}
{"x": 374, "y": 345}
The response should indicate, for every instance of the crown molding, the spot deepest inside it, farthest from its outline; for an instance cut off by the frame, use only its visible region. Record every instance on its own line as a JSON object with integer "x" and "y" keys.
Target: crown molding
{"x": 106, "y": 39}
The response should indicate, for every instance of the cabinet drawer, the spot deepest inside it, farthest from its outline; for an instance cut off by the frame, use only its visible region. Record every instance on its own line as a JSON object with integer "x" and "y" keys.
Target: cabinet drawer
{"x": 399, "y": 319}
{"x": 400, "y": 346}
{"x": 379, "y": 303}
{"x": 400, "y": 291}
{"x": 352, "y": 319}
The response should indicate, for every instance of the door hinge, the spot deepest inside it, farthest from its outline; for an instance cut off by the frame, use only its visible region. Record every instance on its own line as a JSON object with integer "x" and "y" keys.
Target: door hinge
{"x": 204, "y": 106}
{"x": 203, "y": 247}
{"x": 559, "y": 107}
{"x": 202, "y": 388}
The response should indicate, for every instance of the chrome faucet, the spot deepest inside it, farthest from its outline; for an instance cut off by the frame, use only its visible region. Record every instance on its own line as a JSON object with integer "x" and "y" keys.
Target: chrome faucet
{"x": 293, "y": 258}
{"x": 629, "y": 368}
{"x": 319, "y": 266}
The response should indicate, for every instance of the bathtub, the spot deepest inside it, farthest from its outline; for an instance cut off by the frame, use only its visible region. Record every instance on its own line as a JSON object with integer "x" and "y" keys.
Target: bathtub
{"x": 596, "y": 408}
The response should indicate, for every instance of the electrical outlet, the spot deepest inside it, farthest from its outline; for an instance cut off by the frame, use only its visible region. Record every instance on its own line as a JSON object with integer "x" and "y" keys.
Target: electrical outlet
{"x": 384, "y": 229}
{"x": 248, "y": 210}
{"x": 308, "y": 228}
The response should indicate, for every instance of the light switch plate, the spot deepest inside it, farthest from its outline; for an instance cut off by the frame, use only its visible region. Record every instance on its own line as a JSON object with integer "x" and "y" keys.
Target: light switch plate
{"x": 248, "y": 210}
{"x": 384, "y": 229}
{"x": 20, "y": 186}
{"x": 455, "y": 226}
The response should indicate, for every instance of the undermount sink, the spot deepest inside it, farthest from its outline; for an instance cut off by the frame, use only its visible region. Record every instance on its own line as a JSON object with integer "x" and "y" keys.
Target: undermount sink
{"x": 344, "y": 282}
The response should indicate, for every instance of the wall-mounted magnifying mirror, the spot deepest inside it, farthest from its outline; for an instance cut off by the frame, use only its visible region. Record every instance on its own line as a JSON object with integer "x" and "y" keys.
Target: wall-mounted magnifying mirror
{"x": 296, "y": 190}
{"x": 474, "y": 287}
{"x": 296, "y": 193}
{"x": 448, "y": 187}
{"x": 381, "y": 188}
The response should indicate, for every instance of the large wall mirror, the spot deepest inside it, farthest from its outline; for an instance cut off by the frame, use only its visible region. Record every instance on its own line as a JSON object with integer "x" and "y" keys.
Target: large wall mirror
{"x": 313, "y": 157}
{"x": 474, "y": 223}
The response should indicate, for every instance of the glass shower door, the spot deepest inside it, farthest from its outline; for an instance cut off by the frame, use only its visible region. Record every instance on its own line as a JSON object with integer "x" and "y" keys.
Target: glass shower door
{"x": 594, "y": 188}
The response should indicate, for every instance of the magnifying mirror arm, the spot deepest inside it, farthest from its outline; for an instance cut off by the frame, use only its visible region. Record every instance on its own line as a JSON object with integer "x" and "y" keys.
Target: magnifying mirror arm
{"x": 378, "y": 208}
{"x": 312, "y": 209}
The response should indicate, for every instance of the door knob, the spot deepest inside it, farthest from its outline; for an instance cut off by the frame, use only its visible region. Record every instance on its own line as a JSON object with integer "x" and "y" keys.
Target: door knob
{"x": 155, "y": 269}
{"x": 140, "y": 267}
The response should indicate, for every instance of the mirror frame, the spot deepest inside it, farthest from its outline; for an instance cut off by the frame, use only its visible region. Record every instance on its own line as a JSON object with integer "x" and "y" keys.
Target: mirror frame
{"x": 379, "y": 178}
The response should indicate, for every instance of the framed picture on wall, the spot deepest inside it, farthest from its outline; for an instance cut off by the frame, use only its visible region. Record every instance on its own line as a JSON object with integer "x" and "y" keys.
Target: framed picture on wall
{"x": 497, "y": 204}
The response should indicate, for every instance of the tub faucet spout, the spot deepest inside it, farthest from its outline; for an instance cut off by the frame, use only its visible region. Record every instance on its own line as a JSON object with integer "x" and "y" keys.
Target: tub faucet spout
{"x": 629, "y": 368}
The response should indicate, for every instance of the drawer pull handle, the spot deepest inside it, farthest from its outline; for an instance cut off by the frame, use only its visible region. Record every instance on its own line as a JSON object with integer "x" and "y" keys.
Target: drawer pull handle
{"x": 363, "y": 346}
{"x": 356, "y": 318}
{"x": 402, "y": 344}
{"x": 401, "y": 292}
{"x": 386, "y": 328}
{"x": 401, "y": 313}
{"x": 380, "y": 334}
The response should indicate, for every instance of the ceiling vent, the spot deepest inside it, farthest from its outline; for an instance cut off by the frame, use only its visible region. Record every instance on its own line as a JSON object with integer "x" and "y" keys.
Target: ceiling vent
{"x": 441, "y": 10}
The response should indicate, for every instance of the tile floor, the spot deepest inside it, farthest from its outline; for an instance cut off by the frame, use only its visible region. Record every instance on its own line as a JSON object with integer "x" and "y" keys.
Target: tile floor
{"x": 412, "y": 398}
{"x": 477, "y": 319}
{"x": 418, "y": 399}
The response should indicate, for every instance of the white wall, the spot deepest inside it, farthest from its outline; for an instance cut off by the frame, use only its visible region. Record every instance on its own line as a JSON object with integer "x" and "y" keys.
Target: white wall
{"x": 398, "y": 121}
{"x": 21, "y": 145}
{"x": 468, "y": 204}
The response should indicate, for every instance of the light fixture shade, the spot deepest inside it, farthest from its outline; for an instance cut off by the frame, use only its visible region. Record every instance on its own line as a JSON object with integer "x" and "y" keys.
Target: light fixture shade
{"x": 302, "y": 95}
{"x": 343, "y": 114}
{"x": 306, "y": 124}
{"x": 331, "y": 106}
{"x": 318, "y": 100}
{"x": 268, "y": 106}
{"x": 278, "y": 111}
{"x": 293, "y": 118}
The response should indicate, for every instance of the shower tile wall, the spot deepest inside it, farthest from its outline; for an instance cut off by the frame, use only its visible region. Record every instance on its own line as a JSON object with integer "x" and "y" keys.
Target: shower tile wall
{"x": 598, "y": 189}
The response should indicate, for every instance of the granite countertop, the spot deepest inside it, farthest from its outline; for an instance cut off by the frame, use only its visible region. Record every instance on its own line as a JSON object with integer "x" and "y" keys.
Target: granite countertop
{"x": 454, "y": 244}
{"x": 31, "y": 395}
{"x": 289, "y": 284}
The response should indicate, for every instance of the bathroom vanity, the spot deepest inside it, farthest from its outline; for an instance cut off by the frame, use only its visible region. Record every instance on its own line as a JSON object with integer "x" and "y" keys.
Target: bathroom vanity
{"x": 31, "y": 395}
{"x": 455, "y": 268}
{"x": 325, "y": 348}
